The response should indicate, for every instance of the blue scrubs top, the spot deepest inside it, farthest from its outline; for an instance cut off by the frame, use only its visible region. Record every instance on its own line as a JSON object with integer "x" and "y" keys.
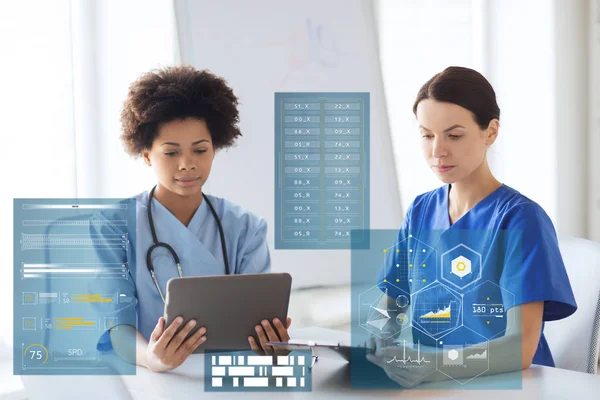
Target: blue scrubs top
{"x": 462, "y": 278}
{"x": 198, "y": 246}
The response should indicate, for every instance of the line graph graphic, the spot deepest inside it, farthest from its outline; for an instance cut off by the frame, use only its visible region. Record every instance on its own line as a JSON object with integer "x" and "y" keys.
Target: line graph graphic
{"x": 478, "y": 356}
{"x": 440, "y": 316}
{"x": 445, "y": 313}
{"x": 436, "y": 310}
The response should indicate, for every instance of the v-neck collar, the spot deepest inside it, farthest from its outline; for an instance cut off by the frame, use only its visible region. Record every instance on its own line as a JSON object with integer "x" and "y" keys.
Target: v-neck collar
{"x": 187, "y": 242}
{"x": 199, "y": 217}
{"x": 196, "y": 221}
{"x": 467, "y": 214}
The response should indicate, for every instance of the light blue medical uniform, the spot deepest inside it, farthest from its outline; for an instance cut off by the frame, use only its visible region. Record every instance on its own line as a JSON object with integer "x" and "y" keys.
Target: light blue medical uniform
{"x": 199, "y": 249}
{"x": 520, "y": 261}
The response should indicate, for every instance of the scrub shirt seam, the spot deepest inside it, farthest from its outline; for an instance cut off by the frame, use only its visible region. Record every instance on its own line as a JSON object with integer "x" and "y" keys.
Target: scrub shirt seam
{"x": 249, "y": 240}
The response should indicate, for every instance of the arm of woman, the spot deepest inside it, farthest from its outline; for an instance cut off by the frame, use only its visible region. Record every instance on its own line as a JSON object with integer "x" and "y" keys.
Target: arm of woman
{"x": 512, "y": 352}
{"x": 167, "y": 348}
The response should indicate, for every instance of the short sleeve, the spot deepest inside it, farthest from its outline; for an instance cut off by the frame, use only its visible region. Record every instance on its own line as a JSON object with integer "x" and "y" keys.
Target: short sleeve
{"x": 533, "y": 266}
{"x": 122, "y": 309}
{"x": 255, "y": 257}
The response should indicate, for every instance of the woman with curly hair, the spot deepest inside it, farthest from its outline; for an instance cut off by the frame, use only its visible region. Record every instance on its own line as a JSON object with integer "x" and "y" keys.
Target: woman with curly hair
{"x": 176, "y": 119}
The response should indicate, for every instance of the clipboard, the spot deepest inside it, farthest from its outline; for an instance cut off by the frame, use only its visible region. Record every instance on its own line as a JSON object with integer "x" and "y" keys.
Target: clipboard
{"x": 337, "y": 351}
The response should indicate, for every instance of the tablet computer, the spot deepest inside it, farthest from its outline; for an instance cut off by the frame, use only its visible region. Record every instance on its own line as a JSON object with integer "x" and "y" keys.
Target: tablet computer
{"x": 229, "y": 306}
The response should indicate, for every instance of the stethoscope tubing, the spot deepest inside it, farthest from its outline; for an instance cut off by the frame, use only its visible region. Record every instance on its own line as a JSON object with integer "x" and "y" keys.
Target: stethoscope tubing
{"x": 156, "y": 244}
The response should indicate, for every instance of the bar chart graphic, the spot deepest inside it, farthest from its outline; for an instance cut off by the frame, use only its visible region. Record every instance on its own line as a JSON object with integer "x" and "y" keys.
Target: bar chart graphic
{"x": 76, "y": 324}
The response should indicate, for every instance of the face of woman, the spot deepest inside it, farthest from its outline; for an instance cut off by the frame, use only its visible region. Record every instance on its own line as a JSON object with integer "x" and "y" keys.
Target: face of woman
{"x": 453, "y": 144}
{"x": 182, "y": 156}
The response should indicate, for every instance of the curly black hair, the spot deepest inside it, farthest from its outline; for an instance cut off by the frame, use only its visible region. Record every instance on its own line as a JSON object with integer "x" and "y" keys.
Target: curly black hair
{"x": 175, "y": 93}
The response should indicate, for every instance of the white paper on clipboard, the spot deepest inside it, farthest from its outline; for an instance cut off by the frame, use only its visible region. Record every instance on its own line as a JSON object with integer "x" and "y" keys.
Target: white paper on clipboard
{"x": 329, "y": 350}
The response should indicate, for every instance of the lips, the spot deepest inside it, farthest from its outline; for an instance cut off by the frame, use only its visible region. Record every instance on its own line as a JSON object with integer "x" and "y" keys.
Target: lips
{"x": 187, "y": 181}
{"x": 444, "y": 168}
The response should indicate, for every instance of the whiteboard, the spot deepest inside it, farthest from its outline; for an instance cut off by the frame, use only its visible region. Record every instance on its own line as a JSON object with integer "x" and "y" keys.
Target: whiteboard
{"x": 265, "y": 46}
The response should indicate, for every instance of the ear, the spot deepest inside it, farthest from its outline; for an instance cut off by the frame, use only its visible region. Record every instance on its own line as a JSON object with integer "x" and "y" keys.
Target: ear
{"x": 146, "y": 157}
{"x": 491, "y": 133}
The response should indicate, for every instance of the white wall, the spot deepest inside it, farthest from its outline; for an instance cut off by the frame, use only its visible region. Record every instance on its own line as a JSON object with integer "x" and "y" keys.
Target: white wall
{"x": 128, "y": 38}
{"x": 536, "y": 56}
{"x": 571, "y": 33}
{"x": 64, "y": 74}
{"x": 538, "y": 63}
{"x": 37, "y": 132}
{"x": 417, "y": 39}
{"x": 594, "y": 122}
{"x": 521, "y": 62}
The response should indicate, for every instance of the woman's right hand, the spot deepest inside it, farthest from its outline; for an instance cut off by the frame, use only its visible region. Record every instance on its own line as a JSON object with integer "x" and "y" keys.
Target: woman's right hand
{"x": 167, "y": 350}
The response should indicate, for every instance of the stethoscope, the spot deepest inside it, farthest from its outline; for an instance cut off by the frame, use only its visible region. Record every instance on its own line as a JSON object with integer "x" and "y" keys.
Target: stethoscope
{"x": 170, "y": 249}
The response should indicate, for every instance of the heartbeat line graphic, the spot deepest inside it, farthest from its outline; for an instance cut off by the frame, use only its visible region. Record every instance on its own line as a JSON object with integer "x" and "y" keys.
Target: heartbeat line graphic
{"x": 405, "y": 360}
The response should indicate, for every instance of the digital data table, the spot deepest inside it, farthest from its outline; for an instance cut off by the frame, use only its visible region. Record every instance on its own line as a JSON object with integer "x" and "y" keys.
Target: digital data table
{"x": 321, "y": 169}
{"x": 72, "y": 262}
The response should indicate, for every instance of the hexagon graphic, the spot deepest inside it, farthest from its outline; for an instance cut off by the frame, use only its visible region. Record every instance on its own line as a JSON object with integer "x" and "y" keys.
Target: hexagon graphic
{"x": 485, "y": 310}
{"x": 453, "y": 355}
{"x": 462, "y": 348}
{"x": 415, "y": 262}
{"x": 461, "y": 267}
{"x": 436, "y": 310}
{"x": 378, "y": 311}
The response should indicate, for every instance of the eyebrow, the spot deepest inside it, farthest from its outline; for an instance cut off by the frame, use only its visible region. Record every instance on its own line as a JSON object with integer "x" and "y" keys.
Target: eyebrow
{"x": 445, "y": 130}
{"x": 193, "y": 144}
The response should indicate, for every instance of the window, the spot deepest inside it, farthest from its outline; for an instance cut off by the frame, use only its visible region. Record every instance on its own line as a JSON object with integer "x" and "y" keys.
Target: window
{"x": 65, "y": 73}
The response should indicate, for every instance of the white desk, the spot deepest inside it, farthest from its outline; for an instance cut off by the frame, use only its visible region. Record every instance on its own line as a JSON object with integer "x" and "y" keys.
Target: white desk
{"x": 331, "y": 380}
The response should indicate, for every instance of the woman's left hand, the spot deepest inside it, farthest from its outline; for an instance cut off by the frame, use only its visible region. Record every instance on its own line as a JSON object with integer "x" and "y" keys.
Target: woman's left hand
{"x": 268, "y": 332}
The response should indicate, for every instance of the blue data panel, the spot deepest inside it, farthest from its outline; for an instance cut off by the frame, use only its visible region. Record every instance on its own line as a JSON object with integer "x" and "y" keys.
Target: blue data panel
{"x": 321, "y": 169}
{"x": 435, "y": 299}
{"x": 73, "y": 282}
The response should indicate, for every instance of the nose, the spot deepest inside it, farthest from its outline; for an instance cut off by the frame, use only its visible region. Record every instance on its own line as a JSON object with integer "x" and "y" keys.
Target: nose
{"x": 438, "y": 149}
{"x": 187, "y": 163}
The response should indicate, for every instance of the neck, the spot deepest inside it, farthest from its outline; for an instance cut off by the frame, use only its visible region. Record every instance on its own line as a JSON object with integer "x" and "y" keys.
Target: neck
{"x": 465, "y": 194}
{"x": 182, "y": 207}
